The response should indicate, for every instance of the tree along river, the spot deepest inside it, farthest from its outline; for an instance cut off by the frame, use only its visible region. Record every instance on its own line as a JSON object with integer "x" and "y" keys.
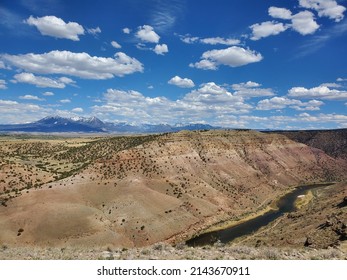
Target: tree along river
{"x": 285, "y": 204}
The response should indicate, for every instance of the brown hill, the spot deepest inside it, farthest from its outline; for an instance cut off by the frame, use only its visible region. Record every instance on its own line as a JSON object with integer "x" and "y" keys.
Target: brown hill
{"x": 332, "y": 142}
{"x": 165, "y": 188}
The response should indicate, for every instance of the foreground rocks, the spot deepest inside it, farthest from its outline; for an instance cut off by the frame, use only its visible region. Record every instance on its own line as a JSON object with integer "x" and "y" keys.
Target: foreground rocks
{"x": 162, "y": 251}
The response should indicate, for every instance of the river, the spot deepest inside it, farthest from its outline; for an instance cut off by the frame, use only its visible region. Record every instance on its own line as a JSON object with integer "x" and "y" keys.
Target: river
{"x": 285, "y": 204}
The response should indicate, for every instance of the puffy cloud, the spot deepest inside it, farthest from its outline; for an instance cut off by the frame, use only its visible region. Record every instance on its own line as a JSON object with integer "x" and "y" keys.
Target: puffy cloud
{"x": 296, "y": 121}
{"x": 15, "y": 112}
{"x": 76, "y": 64}
{"x": 320, "y": 92}
{"x": 116, "y": 45}
{"x": 48, "y": 93}
{"x": 332, "y": 85}
{"x": 205, "y": 103}
{"x": 146, "y": 33}
{"x": 126, "y": 30}
{"x": 277, "y": 103}
{"x": 204, "y": 64}
{"x": 161, "y": 49}
{"x": 181, "y": 82}
{"x": 281, "y": 13}
{"x": 266, "y": 29}
{"x": 325, "y": 8}
{"x": 248, "y": 84}
{"x": 323, "y": 118}
{"x": 9, "y": 106}
{"x": 233, "y": 57}
{"x": 94, "y": 31}
{"x": 211, "y": 97}
{"x": 3, "y": 84}
{"x": 341, "y": 80}
{"x": 30, "y": 97}
{"x": 56, "y": 27}
{"x": 209, "y": 89}
{"x": 304, "y": 23}
{"x": 251, "y": 89}
{"x": 40, "y": 81}
{"x": 65, "y": 100}
{"x": 7, "y": 102}
{"x": 77, "y": 110}
{"x": 188, "y": 39}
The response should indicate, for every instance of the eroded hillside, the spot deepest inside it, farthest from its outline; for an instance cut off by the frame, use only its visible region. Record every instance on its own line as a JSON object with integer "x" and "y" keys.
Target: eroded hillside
{"x": 160, "y": 188}
{"x": 332, "y": 142}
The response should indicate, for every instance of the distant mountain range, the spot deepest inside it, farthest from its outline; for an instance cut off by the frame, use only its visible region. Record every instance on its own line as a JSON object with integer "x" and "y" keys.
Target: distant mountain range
{"x": 56, "y": 124}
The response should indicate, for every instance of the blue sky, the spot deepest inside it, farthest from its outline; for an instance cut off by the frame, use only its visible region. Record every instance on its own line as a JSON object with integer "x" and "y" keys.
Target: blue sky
{"x": 233, "y": 63}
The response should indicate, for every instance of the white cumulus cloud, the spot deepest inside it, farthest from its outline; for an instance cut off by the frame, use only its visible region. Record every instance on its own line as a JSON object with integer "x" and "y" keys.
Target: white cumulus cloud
{"x": 65, "y": 100}
{"x": 146, "y": 33}
{"x": 56, "y": 27}
{"x": 48, "y": 93}
{"x": 207, "y": 102}
{"x": 325, "y": 8}
{"x": 181, "y": 82}
{"x": 266, "y": 29}
{"x": 304, "y": 23}
{"x": 321, "y": 92}
{"x": 161, "y": 49}
{"x": 126, "y": 30}
{"x": 277, "y": 103}
{"x": 40, "y": 81}
{"x": 281, "y": 13}
{"x": 15, "y": 112}
{"x": 251, "y": 89}
{"x": 204, "y": 64}
{"x": 75, "y": 64}
{"x": 30, "y": 97}
{"x": 232, "y": 56}
{"x": 248, "y": 84}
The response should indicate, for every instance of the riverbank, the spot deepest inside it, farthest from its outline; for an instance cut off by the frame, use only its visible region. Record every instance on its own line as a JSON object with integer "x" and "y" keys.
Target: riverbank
{"x": 321, "y": 223}
{"x": 270, "y": 206}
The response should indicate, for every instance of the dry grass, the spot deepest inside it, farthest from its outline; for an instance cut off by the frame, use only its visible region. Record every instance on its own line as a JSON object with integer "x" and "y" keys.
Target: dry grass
{"x": 162, "y": 251}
